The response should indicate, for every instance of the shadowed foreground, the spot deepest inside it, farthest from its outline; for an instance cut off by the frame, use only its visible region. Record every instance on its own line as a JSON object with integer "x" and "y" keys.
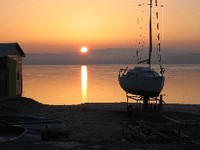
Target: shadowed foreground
{"x": 109, "y": 126}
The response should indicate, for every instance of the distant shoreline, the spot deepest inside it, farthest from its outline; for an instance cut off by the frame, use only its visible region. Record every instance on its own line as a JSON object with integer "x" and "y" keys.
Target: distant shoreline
{"x": 111, "y": 56}
{"x": 181, "y": 64}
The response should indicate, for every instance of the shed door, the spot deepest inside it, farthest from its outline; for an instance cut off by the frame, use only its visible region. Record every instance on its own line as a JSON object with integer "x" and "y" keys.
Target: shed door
{"x": 3, "y": 83}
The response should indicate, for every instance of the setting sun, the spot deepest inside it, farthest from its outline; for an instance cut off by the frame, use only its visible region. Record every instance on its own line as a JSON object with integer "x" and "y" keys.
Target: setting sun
{"x": 84, "y": 49}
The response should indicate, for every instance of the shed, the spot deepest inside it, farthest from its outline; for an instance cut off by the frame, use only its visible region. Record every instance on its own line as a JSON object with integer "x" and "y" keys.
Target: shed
{"x": 11, "y": 70}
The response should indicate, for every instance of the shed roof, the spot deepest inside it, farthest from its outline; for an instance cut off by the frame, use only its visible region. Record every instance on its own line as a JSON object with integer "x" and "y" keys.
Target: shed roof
{"x": 10, "y": 49}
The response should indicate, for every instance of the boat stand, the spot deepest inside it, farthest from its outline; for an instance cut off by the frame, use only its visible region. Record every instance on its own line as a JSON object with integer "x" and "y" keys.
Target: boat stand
{"x": 145, "y": 102}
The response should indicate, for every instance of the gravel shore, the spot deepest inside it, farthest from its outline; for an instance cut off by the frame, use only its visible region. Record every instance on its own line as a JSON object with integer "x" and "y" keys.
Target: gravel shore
{"x": 99, "y": 125}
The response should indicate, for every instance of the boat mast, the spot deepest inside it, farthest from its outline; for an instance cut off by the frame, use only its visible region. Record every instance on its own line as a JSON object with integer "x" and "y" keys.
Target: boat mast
{"x": 150, "y": 33}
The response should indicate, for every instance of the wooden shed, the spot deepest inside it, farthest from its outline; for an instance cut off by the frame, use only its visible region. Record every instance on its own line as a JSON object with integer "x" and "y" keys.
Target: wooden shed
{"x": 11, "y": 70}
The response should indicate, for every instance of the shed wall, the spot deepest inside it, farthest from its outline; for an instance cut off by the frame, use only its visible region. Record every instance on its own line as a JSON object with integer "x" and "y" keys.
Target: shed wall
{"x": 11, "y": 65}
{"x": 18, "y": 74}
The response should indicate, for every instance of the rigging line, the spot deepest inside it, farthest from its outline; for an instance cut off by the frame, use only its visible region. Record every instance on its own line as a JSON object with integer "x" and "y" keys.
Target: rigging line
{"x": 139, "y": 21}
{"x": 141, "y": 28}
{"x": 161, "y": 32}
{"x": 158, "y": 35}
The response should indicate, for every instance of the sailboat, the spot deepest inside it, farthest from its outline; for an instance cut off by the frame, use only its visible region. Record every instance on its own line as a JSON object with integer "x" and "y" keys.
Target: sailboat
{"x": 143, "y": 80}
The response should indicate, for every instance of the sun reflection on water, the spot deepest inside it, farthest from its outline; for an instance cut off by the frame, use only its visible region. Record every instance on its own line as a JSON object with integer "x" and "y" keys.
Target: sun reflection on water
{"x": 84, "y": 83}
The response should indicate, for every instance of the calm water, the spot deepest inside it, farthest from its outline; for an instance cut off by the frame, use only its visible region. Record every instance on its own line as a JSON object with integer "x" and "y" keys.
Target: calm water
{"x": 74, "y": 84}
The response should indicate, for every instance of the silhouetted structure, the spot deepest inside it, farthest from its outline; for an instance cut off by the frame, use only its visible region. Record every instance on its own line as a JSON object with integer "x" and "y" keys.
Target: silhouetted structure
{"x": 10, "y": 70}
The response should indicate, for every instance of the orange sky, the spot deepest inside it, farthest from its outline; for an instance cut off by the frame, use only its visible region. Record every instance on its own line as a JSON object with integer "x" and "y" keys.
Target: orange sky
{"x": 62, "y": 25}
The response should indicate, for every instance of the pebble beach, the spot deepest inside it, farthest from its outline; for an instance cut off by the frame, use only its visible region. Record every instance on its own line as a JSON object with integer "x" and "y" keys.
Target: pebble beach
{"x": 100, "y": 125}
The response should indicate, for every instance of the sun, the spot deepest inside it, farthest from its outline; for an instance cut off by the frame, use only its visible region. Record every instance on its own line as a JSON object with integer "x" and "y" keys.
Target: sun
{"x": 84, "y": 49}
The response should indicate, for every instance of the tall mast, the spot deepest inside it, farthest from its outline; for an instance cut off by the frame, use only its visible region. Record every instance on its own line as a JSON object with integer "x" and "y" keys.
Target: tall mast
{"x": 150, "y": 33}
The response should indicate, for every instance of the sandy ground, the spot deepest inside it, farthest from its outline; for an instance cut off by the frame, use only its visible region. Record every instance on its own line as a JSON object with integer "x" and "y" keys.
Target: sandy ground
{"x": 98, "y": 126}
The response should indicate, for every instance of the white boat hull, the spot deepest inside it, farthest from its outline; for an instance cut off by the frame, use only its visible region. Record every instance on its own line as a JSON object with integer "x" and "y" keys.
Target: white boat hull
{"x": 142, "y": 85}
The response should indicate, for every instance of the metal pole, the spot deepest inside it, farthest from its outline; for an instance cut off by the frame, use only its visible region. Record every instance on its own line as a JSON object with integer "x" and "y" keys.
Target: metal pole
{"x": 145, "y": 102}
{"x": 150, "y": 33}
{"x": 127, "y": 102}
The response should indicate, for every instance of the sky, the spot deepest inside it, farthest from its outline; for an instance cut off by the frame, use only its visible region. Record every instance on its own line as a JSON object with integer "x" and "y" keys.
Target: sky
{"x": 59, "y": 26}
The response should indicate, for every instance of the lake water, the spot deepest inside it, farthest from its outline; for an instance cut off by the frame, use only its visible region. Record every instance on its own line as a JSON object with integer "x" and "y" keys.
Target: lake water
{"x": 75, "y": 84}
